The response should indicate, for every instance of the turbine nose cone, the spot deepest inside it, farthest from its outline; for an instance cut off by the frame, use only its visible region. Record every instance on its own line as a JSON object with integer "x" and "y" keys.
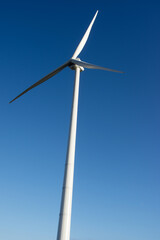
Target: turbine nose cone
{"x": 73, "y": 66}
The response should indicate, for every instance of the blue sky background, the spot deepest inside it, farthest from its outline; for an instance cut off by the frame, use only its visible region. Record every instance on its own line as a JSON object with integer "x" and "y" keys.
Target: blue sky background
{"x": 116, "y": 187}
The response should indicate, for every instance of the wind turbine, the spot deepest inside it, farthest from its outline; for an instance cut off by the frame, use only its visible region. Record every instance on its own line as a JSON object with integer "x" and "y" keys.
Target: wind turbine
{"x": 75, "y": 64}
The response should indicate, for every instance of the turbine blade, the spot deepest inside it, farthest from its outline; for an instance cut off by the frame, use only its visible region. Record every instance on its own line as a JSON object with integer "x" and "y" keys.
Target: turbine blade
{"x": 92, "y": 66}
{"x": 43, "y": 79}
{"x": 84, "y": 39}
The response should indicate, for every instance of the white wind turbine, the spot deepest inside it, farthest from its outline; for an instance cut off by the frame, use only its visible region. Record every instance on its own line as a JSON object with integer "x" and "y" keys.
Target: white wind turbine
{"x": 75, "y": 64}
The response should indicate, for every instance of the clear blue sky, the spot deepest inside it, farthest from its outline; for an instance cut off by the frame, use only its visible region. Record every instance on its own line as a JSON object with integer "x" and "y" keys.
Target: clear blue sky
{"x": 116, "y": 187}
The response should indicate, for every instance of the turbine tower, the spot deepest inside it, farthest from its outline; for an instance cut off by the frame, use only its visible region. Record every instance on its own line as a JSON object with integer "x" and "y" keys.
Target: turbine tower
{"x": 75, "y": 64}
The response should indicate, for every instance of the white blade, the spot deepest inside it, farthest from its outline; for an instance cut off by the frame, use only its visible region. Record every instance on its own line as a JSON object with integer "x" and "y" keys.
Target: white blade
{"x": 84, "y": 39}
{"x": 92, "y": 66}
{"x": 43, "y": 79}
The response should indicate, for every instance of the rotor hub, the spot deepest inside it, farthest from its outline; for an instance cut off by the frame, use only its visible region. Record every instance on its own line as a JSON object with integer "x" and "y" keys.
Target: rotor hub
{"x": 74, "y": 66}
